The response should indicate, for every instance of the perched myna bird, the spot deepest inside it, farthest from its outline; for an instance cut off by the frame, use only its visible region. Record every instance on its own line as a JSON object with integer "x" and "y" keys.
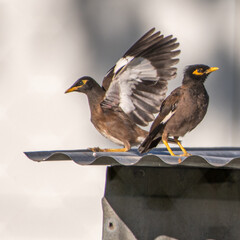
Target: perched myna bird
{"x": 132, "y": 90}
{"x": 181, "y": 111}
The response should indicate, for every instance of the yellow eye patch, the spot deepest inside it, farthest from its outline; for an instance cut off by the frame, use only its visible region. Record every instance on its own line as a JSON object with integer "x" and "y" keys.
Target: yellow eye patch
{"x": 198, "y": 71}
{"x": 84, "y": 82}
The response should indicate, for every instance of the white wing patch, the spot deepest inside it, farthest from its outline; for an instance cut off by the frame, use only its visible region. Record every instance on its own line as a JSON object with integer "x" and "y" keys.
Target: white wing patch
{"x": 139, "y": 70}
{"x": 125, "y": 101}
{"x": 170, "y": 114}
{"x": 122, "y": 62}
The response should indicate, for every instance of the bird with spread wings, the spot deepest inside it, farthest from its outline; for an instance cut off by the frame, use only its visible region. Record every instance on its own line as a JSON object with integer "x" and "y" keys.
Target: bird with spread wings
{"x": 132, "y": 91}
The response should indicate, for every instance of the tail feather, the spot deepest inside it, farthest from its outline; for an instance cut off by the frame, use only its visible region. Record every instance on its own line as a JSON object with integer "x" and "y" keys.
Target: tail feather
{"x": 148, "y": 145}
{"x": 152, "y": 140}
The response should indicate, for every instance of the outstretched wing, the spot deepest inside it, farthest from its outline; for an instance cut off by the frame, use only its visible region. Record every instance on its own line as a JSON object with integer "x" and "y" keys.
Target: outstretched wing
{"x": 137, "y": 84}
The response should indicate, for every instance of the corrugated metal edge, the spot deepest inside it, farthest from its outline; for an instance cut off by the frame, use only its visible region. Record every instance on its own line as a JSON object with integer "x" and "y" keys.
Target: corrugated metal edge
{"x": 202, "y": 157}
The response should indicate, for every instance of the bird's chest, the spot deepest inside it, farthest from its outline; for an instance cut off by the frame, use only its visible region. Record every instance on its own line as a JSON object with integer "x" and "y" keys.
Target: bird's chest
{"x": 194, "y": 103}
{"x": 190, "y": 112}
{"x": 105, "y": 123}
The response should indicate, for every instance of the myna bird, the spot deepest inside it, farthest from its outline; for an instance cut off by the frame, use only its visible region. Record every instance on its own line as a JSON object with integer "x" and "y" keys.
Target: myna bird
{"x": 181, "y": 111}
{"x": 132, "y": 90}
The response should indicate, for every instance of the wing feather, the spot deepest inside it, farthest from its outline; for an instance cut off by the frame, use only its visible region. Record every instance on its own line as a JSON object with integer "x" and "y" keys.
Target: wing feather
{"x": 137, "y": 84}
{"x": 168, "y": 108}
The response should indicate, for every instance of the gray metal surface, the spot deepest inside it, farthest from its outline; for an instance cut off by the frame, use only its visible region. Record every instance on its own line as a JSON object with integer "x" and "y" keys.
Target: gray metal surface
{"x": 179, "y": 202}
{"x": 156, "y": 198}
{"x": 113, "y": 226}
{"x": 201, "y": 157}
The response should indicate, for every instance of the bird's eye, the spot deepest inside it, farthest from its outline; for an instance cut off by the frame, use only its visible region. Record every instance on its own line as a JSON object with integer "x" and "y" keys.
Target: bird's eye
{"x": 198, "y": 71}
{"x": 83, "y": 82}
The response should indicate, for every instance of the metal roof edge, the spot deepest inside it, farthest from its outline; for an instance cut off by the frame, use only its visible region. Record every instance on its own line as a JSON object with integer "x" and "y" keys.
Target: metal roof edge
{"x": 201, "y": 157}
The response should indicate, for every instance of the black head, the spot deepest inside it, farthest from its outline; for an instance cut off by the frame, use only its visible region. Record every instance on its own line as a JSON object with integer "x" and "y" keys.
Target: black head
{"x": 198, "y": 72}
{"x": 83, "y": 84}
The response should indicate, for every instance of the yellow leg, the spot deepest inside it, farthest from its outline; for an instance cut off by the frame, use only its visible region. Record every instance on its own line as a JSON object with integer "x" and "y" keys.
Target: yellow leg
{"x": 168, "y": 148}
{"x": 97, "y": 149}
{"x": 185, "y": 153}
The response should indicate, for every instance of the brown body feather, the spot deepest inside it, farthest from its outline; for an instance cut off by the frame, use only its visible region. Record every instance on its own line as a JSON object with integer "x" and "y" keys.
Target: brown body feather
{"x": 133, "y": 89}
{"x": 182, "y": 110}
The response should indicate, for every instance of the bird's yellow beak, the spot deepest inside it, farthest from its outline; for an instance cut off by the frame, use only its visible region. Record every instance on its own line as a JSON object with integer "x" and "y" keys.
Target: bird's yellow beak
{"x": 71, "y": 89}
{"x": 211, "y": 69}
{"x": 75, "y": 88}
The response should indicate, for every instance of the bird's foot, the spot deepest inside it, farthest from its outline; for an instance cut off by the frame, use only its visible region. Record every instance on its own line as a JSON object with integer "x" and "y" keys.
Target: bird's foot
{"x": 185, "y": 154}
{"x": 97, "y": 149}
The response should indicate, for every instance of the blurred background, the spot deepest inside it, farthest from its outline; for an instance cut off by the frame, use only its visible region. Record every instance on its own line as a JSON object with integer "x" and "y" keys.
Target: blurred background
{"x": 44, "y": 47}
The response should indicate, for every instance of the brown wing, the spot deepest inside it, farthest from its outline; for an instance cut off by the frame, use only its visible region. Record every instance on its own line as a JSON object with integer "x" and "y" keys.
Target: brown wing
{"x": 167, "y": 110}
{"x": 137, "y": 84}
{"x": 147, "y": 40}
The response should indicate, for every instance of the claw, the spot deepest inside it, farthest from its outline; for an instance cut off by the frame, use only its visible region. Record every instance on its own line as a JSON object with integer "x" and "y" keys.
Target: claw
{"x": 97, "y": 149}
